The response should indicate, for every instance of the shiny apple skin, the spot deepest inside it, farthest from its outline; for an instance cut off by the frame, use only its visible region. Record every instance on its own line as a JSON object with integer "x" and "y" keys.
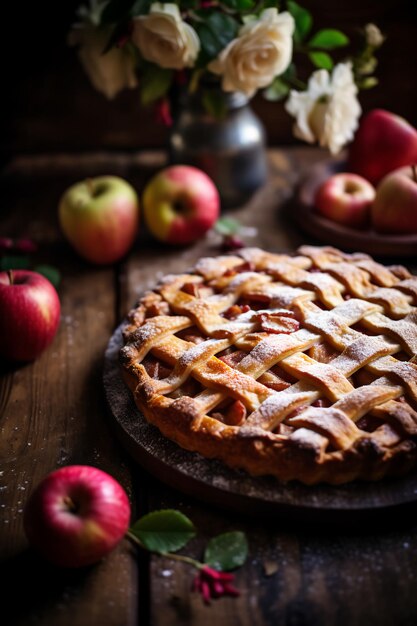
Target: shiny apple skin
{"x": 181, "y": 203}
{"x": 29, "y": 314}
{"x": 76, "y": 515}
{"x": 100, "y": 218}
{"x": 345, "y": 198}
{"x": 383, "y": 143}
{"x": 395, "y": 208}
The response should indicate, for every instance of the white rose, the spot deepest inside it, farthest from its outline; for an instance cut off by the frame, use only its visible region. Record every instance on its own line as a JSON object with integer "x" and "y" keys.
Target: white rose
{"x": 109, "y": 73}
{"x": 328, "y": 111}
{"x": 262, "y": 51}
{"x": 164, "y": 38}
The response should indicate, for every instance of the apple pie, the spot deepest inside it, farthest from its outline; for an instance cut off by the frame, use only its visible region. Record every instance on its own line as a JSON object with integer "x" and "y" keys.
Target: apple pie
{"x": 302, "y": 367}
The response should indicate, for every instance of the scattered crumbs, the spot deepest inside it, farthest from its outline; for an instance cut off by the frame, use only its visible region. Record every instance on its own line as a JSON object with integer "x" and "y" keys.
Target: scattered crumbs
{"x": 166, "y": 573}
{"x": 406, "y": 544}
{"x": 270, "y": 567}
{"x": 29, "y": 443}
{"x": 1, "y": 473}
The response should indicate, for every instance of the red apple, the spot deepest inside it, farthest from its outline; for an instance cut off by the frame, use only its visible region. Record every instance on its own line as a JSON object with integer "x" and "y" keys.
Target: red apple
{"x": 345, "y": 198}
{"x": 180, "y": 204}
{"x": 383, "y": 143}
{"x": 100, "y": 218}
{"x": 29, "y": 314}
{"x": 76, "y": 515}
{"x": 395, "y": 208}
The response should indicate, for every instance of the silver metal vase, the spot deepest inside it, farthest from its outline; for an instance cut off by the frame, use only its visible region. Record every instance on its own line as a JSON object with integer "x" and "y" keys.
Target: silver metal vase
{"x": 230, "y": 149}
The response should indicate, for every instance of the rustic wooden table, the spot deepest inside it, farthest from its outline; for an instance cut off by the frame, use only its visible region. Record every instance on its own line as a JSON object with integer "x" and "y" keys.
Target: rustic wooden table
{"x": 53, "y": 413}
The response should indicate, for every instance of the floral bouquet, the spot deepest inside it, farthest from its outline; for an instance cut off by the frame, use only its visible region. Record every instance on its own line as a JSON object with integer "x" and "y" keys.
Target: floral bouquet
{"x": 247, "y": 45}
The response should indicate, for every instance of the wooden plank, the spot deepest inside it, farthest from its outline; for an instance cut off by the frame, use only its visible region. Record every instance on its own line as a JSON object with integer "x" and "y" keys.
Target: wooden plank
{"x": 52, "y": 414}
{"x": 322, "y": 578}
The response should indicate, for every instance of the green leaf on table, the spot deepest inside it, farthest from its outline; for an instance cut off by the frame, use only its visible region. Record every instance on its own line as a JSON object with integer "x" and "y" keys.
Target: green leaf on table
{"x": 162, "y": 531}
{"x": 277, "y": 90}
{"x": 15, "y": 262}
{"x": 227, "y": 226}
{"x": 215, "y": 33}
{"x": 51, "y": 273}
{"x": 155, "y": 83}
{"x": 322, "y": 60}
{"x": 328, "y": 39}
{"x": 226, "y": 551}
{"x": 303, "y": 20}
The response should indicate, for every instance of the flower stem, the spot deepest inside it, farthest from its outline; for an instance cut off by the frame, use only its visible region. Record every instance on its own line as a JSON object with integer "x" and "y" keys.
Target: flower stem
{"x": 170, "y": 555}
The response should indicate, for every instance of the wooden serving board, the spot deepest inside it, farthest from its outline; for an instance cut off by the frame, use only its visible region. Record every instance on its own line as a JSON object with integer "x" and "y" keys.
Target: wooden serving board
{"x": 213, "y": 482}
{"x": 338, "y": 235}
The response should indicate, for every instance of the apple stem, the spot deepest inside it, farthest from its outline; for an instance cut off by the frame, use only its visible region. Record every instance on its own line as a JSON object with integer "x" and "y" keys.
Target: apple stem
{"x": 414, "y": 170}
{"x": 11, "y": 276}
{"x": 70, "y": 504}
{"x": 90, "y": 186}
{"x": 170, "y": 555}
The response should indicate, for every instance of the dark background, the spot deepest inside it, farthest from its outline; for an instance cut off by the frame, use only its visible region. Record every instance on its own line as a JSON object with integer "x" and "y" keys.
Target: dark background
{"x": 51, "y": 106}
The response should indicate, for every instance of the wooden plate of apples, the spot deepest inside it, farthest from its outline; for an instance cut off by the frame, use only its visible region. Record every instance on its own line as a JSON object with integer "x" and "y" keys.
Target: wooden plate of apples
{"x": 370, "y": 210}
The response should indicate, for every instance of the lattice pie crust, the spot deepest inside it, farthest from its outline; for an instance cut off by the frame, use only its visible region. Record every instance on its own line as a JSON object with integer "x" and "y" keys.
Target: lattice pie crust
{"x": 301, "y": 367}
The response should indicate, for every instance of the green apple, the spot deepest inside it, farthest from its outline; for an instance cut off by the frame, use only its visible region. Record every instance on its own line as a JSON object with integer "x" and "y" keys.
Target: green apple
{"x": 100, "y": 218}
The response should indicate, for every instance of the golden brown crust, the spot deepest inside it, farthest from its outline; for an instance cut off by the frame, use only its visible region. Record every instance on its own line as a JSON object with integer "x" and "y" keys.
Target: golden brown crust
{"x": 297, "y": 367}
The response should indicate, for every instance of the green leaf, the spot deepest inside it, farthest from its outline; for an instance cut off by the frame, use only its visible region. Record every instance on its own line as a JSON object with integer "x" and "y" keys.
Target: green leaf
{"x": 189, "y": 4}
{"x": 163, "y": 531}
{"x": 303, "y": 20}
{"x": 321, "y": 60}
{"x": 215, "y": 33}
{"x": 214, "y": 103}
{"x": 155, "y": 83}
{"x": 239, "y": 5}
{"x": 226, "y": 551}
{"x": 115, "y": 10}
{"x": 15, "y": 262}
{"x": 115, "y": 34}
{"x": 277, "y": 90}
{"x": 51, "y": 273}
{"x": 328, "y": 39}
{"x": 118, "y": 10}
{"x": 368, "y": 83}
{"x": 227, "y": 226}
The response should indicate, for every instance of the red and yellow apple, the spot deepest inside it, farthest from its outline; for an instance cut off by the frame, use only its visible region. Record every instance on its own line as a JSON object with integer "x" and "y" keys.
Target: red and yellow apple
{"x": 76, "y": 515}
{"x": 345, "y": 198}
{"x": 180, "y": 204}
{"x": 100, "y": 218}
{"x": 383, "y": 143}
{"x": 29, "y": 314}
{"x": 395, "y": 208}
